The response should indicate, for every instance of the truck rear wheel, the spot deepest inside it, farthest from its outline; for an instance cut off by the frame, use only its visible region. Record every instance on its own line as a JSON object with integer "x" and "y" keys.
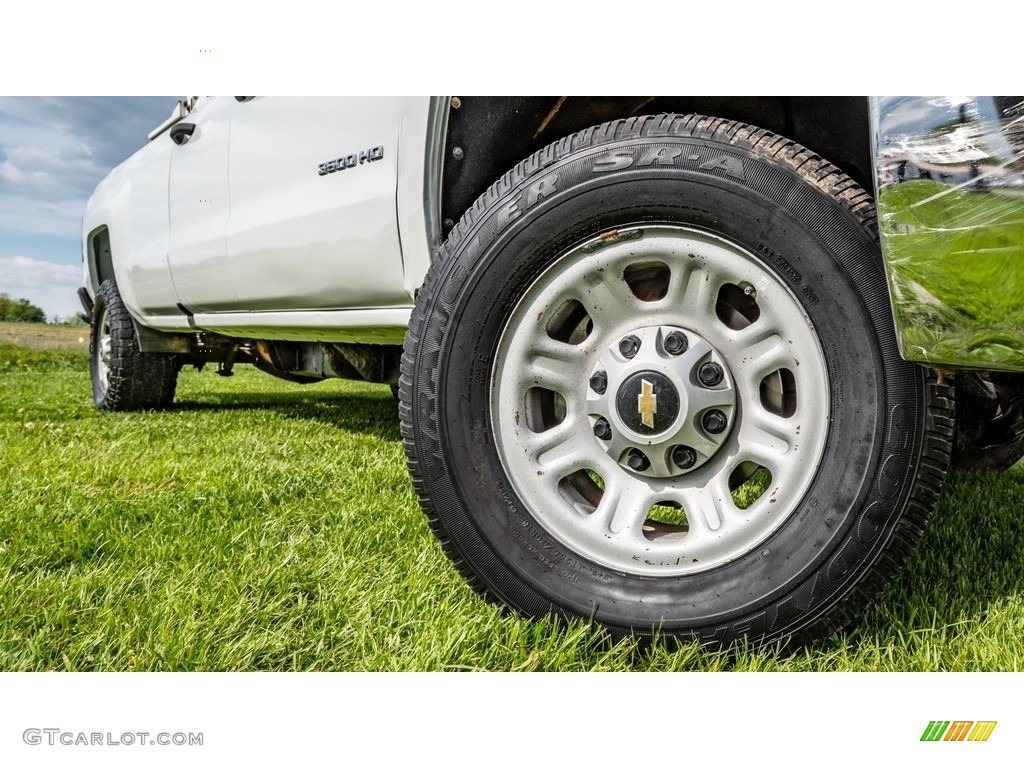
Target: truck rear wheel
{"x": 124, "y": 378}
{"x": 652, "y": 380}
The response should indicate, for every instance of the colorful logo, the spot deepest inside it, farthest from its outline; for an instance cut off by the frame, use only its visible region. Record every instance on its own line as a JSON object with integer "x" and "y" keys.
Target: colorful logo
{"x": 647, "y": 403}
{"x": 958, "y": 730}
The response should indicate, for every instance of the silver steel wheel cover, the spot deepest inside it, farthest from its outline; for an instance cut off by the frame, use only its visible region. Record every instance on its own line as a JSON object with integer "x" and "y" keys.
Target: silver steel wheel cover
{"x": 614, "y": 529}
{"x": 103, "y": 351}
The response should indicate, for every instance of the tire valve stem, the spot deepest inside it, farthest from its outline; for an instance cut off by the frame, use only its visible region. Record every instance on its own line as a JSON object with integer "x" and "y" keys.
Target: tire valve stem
{"x": 602, "y": 429}
{"x": 637, "y": 461}
{"x": 629, "y": 346}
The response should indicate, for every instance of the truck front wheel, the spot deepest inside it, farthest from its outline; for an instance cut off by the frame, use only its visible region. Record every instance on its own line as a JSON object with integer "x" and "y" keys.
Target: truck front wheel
{"x": 124, "y": 378}
{"x": 652, "y": 381}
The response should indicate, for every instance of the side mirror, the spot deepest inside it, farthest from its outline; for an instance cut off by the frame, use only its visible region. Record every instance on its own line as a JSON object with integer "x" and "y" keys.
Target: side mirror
{"x": 181, "y": 109}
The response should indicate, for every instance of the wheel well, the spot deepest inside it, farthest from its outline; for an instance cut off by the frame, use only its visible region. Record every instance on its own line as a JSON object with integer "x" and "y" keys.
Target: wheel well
{"x": 101, "y": 264}
{"x": 495, "y": 133}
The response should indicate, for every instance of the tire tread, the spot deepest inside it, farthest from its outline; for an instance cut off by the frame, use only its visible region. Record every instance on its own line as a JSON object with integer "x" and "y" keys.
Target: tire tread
{"x": 136, "y": 380}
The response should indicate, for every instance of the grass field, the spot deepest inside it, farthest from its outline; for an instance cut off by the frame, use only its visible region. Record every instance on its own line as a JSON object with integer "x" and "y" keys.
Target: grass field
{"x": 39, "y": 336}
{"x": 264, "y": 525}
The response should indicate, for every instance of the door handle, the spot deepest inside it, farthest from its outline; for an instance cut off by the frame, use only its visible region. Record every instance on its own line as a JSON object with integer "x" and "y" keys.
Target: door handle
{"x": 182, "y": 132}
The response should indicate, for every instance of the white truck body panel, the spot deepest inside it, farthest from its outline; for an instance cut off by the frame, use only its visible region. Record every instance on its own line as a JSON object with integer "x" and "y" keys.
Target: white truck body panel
{"x": 199, "y": 201}
{"x": 301, "y": 241}
{"x": 262, "y": 242}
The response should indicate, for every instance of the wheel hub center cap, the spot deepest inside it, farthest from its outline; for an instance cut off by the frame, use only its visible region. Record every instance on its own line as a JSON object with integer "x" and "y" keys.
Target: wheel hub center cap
{"x": 648, "y": 403}
{"x": 662, "y": 401}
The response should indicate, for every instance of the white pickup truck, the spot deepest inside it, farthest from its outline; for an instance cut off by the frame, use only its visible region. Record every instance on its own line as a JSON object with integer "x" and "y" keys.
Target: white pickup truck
{"x": 647, "y": 363}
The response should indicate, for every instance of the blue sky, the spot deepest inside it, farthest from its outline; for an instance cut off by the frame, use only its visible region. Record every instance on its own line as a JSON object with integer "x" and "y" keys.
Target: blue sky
{"x": 53, "y": 152}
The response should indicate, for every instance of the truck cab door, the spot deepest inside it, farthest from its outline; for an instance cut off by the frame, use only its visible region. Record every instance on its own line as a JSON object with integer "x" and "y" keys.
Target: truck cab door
{"x": 314, "y": 222}
{"x": 200, "y": 207}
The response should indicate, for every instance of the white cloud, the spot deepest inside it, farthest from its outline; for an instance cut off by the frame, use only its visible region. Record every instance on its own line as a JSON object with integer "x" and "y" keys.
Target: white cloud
{"x": 50, "y": 174}
{"x": 53, "y": 152}
{"x": 44, "y": 283}
{"x": 25, "y": 133}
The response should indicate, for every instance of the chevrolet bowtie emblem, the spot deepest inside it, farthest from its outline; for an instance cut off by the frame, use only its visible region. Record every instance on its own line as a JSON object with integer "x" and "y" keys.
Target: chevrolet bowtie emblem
{"x": 647, "y": 403}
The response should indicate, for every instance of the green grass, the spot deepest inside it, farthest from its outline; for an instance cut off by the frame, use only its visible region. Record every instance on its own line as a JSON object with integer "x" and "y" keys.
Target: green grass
{"x": 264, "y": 525}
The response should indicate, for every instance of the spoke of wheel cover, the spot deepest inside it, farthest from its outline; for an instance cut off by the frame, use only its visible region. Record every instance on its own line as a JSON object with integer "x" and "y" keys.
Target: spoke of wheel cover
{"x": 624, "y": 506}
{"x": 679, "y": 279}
{"x": 541, "y": 442}
{"x": 604, "y": 517}
{"x": 765, "y": 438}
{"x": 759, "y": 358}
{"x": 700, "y": 294}
{"x": 544, "y": 347}
{"x": 607, "y": 298}
{"x": 707, "y": 505}
{"x": 747, "y": 340}
{"x": 561, "y": 450}
{"x": 555, "y": 369}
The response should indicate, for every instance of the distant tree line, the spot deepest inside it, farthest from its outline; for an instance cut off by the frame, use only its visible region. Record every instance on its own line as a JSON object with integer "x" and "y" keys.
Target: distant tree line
{"x": 20, "y": 310}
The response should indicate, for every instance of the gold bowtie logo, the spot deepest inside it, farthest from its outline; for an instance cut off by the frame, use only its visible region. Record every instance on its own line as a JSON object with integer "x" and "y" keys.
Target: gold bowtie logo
{"x": 647, "y": 403}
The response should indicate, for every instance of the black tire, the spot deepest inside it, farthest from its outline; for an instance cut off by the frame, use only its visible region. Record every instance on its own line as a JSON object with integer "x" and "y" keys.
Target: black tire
{"x": 123, "y": 378}
{"x": 745, "y": 196}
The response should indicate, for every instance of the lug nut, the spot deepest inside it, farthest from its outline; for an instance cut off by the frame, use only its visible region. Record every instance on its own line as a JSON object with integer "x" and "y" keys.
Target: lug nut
{"x": 683, "y": 456}
{"x": 714, "y": 421}
{"x": 710, "y": 374}
{"x": 629, "y": 346}
{"x": 676, "y": 343}
{"x": 599, "y": 382}
{"x": 602, "y": 429}
{"x": 637, "y": 461}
